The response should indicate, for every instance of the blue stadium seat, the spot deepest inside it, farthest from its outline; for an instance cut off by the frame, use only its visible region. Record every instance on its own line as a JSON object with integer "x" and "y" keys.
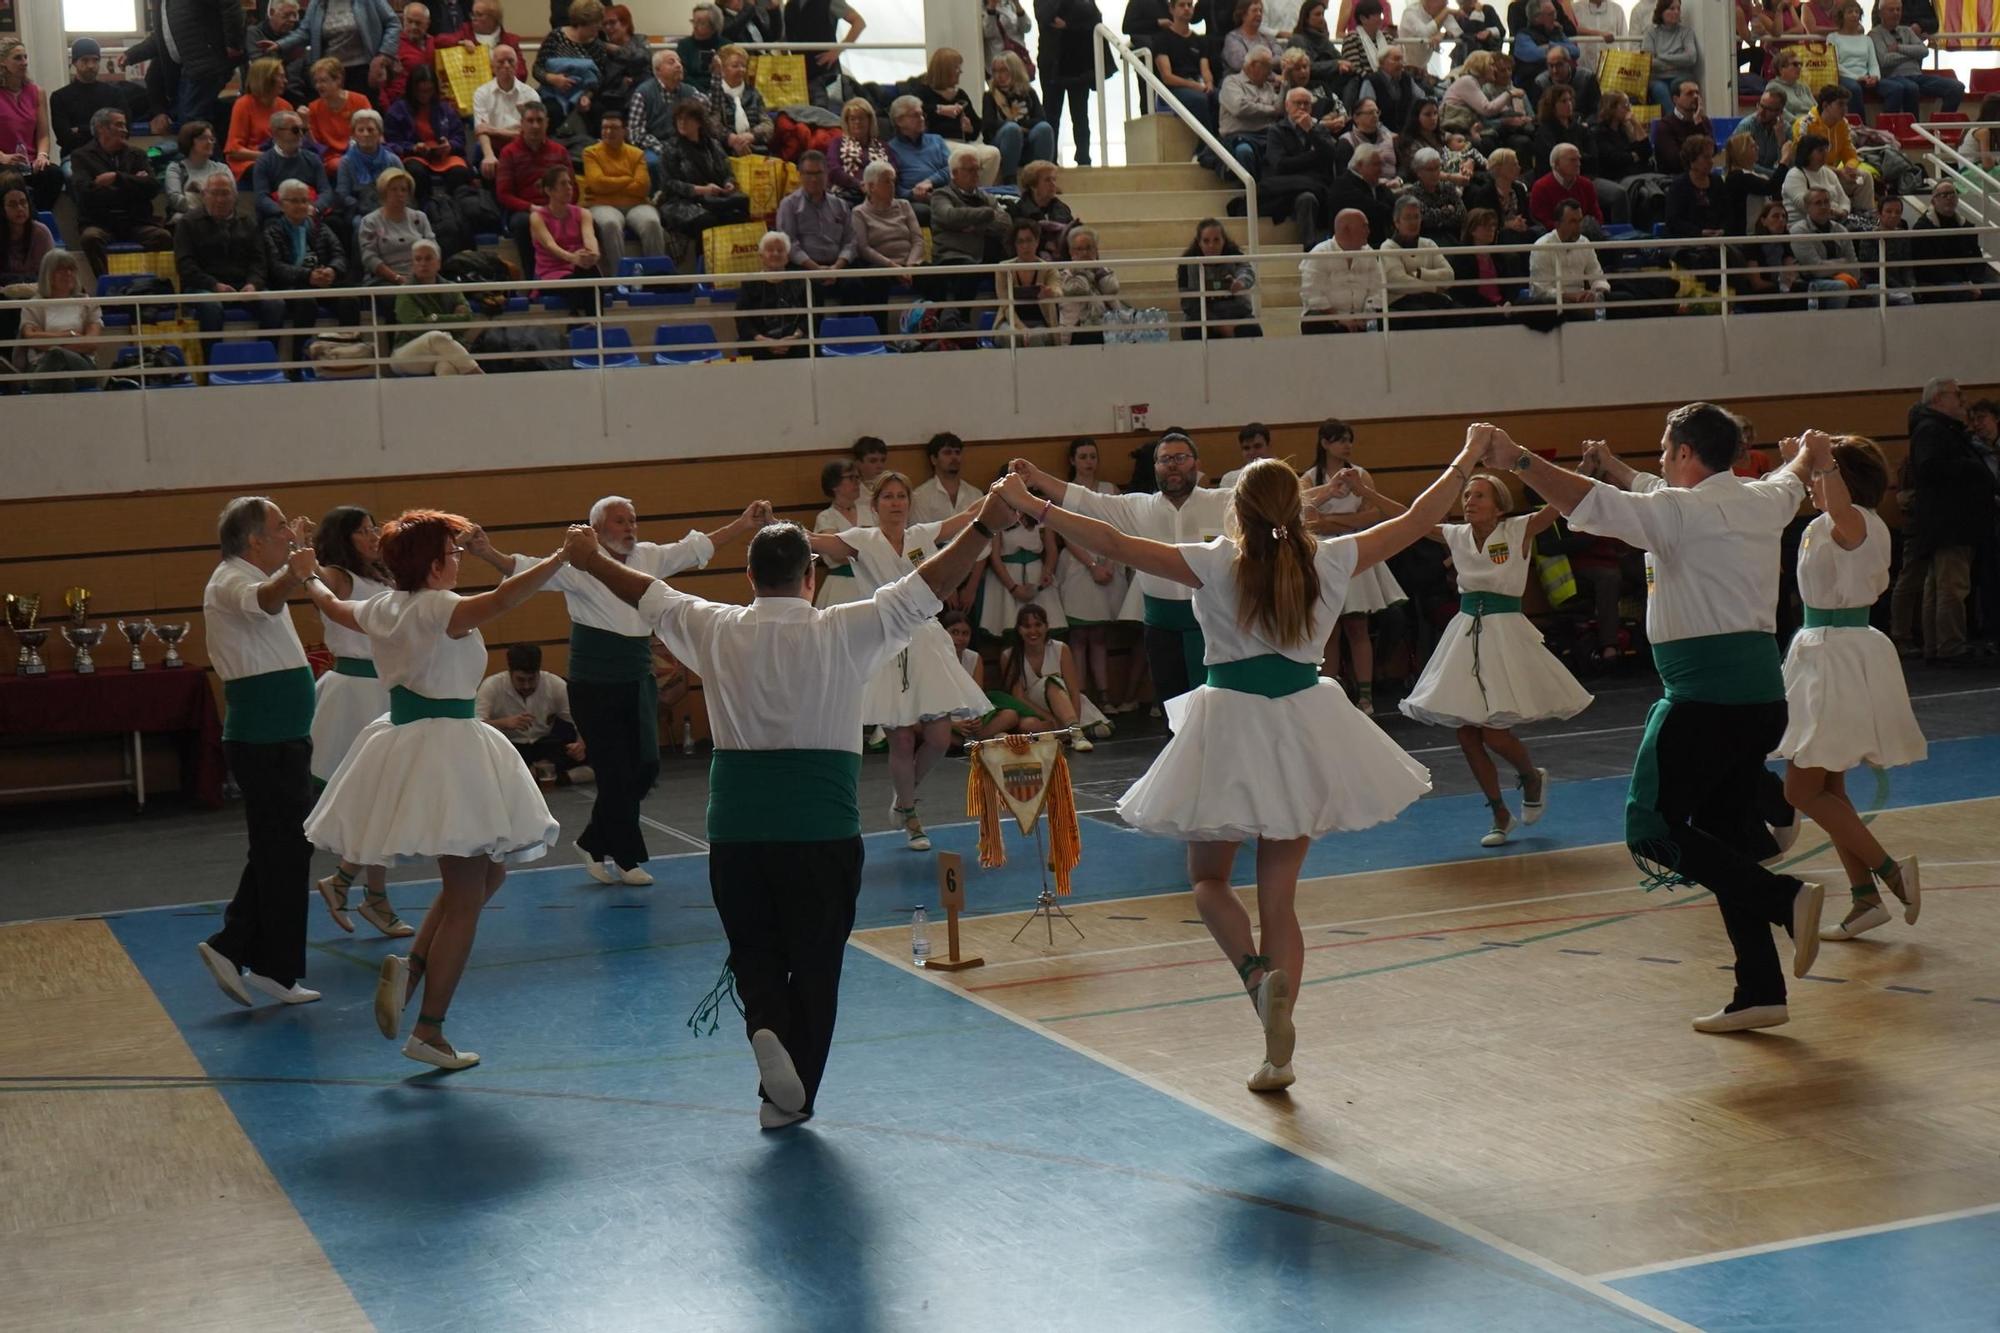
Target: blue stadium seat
{"x": 48, "y": 219}
{"x": 1724, "y": 127}
{"x": 651, "y": 266}
{"x": 680, "y": 345}
{"x": 851, "y": 326}
{"x": 583, "y": 345}
{"x": 250, "y": 352}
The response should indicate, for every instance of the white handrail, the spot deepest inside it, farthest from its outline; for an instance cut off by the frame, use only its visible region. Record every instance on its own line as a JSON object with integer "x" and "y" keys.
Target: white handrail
{"x": 1132, "y": 62}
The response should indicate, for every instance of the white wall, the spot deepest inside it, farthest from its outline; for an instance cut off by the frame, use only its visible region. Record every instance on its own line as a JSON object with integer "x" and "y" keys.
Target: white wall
{"x": 267, "y": 435}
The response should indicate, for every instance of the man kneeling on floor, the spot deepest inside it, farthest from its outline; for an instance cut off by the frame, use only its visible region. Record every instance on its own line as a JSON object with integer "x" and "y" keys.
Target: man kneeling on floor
{"x": 531, "y": 706}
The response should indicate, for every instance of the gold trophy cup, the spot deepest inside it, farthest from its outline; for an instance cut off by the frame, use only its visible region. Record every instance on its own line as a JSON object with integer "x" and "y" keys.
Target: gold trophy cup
{"x": 22, "y": 612}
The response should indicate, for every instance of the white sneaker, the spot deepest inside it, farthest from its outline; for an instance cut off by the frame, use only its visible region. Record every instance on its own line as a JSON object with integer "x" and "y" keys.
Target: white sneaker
{"x": 1274, "y": 1007}
{"x": 637, "y": 875}
{"x": 594, "y": 865}
{"x": 1082, "y": 745}
{"x": 582, "y": 775}
{"x": 1806, "y": 906}
{"x": 389, "y": 993}
{"x": 1744, "y": 1020}
{"x": 416, "y": 1048}
{"x": 225, "y": 973}
{"x": 1534, "y": 810}
{"x": 776, "y": 1071}
{"x": 913, "y": 827}
{"x": 1495, "y": 836}
{"x": 1857, "y": 925}
{"x": 1271, "y": 1078}
{"x": 292, "y": 994}
{"x": 770, "y": 1117}
{"x": 1913, "y": 893}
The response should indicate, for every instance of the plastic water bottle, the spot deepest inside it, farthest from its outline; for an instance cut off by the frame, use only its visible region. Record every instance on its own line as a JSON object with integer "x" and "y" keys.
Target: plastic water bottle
{"x": 687, "y": 735}
{"x": 1599, "y": 316}
{"x": 920, "y": 936}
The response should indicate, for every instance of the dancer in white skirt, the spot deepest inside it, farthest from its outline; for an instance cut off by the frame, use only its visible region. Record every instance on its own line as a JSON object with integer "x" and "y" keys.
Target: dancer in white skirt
{"x": 918, "y": 693}
{"x": 430, "y": 779}
{"x": 1342, "y": 509}
{"x": 1846, "y": 701}
{"x": 1021, "y": 568}
{"x": 1490, "y": 672}
{"x": 350, "y": 696}
{"x": 1266, "y": 749}
{"x": 847, "y": 507}
{"x": 1037, "y": 670}
{"x": 1093, "y": 591}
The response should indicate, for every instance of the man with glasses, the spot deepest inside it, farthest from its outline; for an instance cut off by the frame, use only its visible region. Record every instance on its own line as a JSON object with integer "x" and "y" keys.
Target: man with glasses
{"x": 1180, "y": 512}
{"x": 612, "y": 694}
{"x": 217, "y": 251}
{"x": 289, "y": 158}
{"x": 816, "y": 221}
{"x": 1767, "y": 129}
{"x": 113, "y": 185}
{"x": 1948, "y": 253}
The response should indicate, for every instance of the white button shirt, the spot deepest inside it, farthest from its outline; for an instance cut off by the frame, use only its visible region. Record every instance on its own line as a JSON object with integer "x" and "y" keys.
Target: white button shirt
{"x": 593, "y": 604}
{"x": 243, "y": 638}
{"x": 498, "y": 698}
{"x": 1346, "y": 283}
{"x": 780, "y": 674}
{"x": 1711, "y": 550}
{"x": 1570, "y": 266}
{"x": 1157, "y": 518}
{"x": 929, "y": 503}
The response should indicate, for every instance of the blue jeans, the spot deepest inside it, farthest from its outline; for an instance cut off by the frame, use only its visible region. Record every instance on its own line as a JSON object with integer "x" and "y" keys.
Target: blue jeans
{"x": 194, "y": 99}
{"x": 1039, "y": 139}
{"x": 1828, "y": 294}
{"x": 1855, "y": 93}
{"x": 208, "y": 316}
{"x": 1906, "y": 91}
{"x": 1197, "y": 102}
{"x": 1661, "y": 91}
{"x": 1076, "y": 92}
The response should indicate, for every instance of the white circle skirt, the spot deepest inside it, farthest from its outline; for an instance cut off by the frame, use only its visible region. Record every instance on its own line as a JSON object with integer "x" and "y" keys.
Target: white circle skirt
{"x": 343, "y": 706}
{"x": 440, "y": 786}
{"x": 1519, "y": 679}
{"x": 1847, "y": 702}
{"x": 922, "y": 683}
{"x": 1243, "y": 766}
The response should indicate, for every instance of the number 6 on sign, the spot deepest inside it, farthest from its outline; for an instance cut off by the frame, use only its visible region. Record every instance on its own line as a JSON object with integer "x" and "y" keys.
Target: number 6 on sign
{"x": 951, "y": 897}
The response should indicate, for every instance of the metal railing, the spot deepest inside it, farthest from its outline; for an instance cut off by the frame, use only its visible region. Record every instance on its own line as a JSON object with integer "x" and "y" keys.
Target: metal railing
{"x": 1654, "y": 279}
{"x": 1132, "y": 62}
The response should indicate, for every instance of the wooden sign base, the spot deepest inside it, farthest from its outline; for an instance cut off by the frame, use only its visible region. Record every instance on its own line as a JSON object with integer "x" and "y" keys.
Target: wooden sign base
{"x": 951, "y": 896}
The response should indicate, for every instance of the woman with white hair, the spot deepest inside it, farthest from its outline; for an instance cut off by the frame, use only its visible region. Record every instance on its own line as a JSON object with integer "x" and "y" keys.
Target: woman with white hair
{"x": 366, "y": 158}
{"x": 1443, "y": 207}
{"x": 771, "y": 315}
{"x": 886, "y": 235}
{"x": 61, "y": 326}
{"x": 697, "y": 49}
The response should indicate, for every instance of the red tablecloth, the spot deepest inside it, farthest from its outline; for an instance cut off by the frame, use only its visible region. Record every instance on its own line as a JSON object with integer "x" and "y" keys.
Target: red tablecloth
{"x": 114, "y": 700}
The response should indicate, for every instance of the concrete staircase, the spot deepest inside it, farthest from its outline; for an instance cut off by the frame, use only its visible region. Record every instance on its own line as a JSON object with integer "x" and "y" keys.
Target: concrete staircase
{"x": 1149, "y": 210}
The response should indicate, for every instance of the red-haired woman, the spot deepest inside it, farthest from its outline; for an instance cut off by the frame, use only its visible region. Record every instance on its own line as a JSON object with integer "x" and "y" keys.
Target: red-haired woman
{"x": 1249, "y": 756}
{"x": 430, "y": 779}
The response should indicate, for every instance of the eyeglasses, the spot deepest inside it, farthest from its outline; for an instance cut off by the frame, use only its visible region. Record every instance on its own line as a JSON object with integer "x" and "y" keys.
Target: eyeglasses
{"x": 1173, "y": 458}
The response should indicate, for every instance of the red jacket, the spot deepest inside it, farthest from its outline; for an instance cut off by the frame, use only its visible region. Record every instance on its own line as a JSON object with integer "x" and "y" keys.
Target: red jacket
{"x": 463, "y": 33}
{"x": 408, "y": 56}
{"x": 1548, "y": 192}
{"x": 518, "y": 180}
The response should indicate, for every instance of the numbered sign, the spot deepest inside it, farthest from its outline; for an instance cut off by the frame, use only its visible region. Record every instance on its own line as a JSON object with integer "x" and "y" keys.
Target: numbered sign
{"x": 951, "y": 881}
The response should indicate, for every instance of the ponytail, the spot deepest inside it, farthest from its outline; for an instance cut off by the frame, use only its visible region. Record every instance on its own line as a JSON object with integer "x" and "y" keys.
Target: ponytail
{"x": 1277, "y": 582}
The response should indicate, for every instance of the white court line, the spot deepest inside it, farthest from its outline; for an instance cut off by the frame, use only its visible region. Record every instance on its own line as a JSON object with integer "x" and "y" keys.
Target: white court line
{"x": 687, "y": 838}
{"x": 1776, "y": 1246}
{"x": 1555, "y": 1270}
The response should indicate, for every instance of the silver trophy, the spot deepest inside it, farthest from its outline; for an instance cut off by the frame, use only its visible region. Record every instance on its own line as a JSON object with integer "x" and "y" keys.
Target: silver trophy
{"x": 135, "y": 632}
{"x": 171, "y": 635}
{"x": 22, "y": 612}
{"x": 81, "y": 637}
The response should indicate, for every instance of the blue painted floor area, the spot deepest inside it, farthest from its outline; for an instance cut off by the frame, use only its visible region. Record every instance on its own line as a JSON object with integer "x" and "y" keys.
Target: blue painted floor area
{"x": 1937, "y": 1278}
{"x": 603, "y": 1169}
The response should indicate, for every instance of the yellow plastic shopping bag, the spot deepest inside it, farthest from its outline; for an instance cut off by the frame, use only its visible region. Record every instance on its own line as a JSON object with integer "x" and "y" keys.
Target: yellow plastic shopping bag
{"x": 461, "y": 72}
{"x": 764, "y": 182}
{"x": 780, "y": 79}
{"x": 1627, "y": 72}
{"x": 732, "y": 247}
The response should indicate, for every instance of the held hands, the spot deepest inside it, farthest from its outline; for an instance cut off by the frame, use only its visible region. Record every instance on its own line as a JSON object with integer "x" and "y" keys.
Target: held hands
{"x": 1013, "y": 490}
{"x": 1819, "y": 449}
{"x": 579, "y": 543}
{"x": 478, "y": 543}
{"x": 1596, "y": 453}
{"x": 996, "y": 511}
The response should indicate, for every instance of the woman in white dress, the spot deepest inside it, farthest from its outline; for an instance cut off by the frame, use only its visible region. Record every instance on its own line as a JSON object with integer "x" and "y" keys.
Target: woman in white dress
{"x": 430, "y": 779}
{"x": 1037, "y": 670}
{"x": 1341, "y": 509}
{"x": 1092, "y": 589}
{"x": 349, "y": 697}
{"x": 840, "y": 482}
{"x": 1266, "y": 750}
{"x": 1021, "y": 568}
{"x": 1003, "y": 714}
{"x": 1844, "y": 686}
{"x": 921, "y": 691}
{"x": 1490, "y": 672}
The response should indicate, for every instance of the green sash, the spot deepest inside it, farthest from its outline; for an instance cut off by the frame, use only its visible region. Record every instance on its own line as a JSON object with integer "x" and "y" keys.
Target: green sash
{"x": 1836, "y": 617}
{"x": 269, "y": 707}
{"x": 1487, "y": 603}
{"x": 1741, "y": 668}
{"x": 845, "y": 571}
{"x": 600, "y": 657}
{"x": 1021, "y": 558}
{"x": 1272, "y": 675}
{"x": 354, "y": 666}
{"x": 1167, "y": 613}
{"x": 406, "y": 706}
{"x": 783, "y": 796}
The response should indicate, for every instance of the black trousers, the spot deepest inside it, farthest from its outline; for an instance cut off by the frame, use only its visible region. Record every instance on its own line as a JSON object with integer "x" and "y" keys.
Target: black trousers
{"x": 264, "y": 926}
{"x": 621, "y": 734}
{"x": 787, "y": 908}
{"x": 1716, "y": 797}
{"x": 551, "y": 747}
{"x": 1174, "y": 658}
